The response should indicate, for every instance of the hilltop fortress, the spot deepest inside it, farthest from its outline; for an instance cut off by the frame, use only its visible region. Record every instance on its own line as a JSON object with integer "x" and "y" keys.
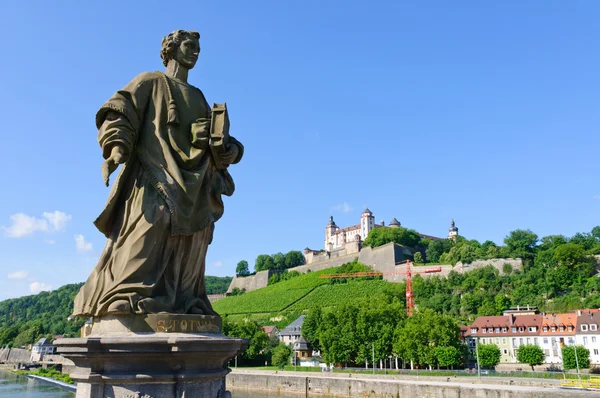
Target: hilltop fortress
{"x": 343, "y": 245}
{"x": 345, "y": 241}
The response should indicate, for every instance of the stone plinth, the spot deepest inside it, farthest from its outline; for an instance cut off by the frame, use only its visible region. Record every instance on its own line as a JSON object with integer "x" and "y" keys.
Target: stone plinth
{"x": 168, "y": 358}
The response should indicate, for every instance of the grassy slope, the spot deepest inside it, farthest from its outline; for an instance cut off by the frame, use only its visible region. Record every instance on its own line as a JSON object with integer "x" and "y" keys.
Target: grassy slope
{"x": 282, "y": 302}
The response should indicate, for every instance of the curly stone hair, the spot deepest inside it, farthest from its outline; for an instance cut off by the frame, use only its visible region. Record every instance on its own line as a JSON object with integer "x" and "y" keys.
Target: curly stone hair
{"x": 172, "y": 41}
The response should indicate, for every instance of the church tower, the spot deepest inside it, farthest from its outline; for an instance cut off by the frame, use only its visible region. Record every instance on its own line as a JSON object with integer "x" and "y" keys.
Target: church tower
{"x": 329, "y": 231}
{"x": 367, "y": 223}
{"x": 453, "y": 231}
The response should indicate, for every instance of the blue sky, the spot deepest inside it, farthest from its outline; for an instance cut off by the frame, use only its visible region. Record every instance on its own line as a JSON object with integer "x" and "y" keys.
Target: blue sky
{"x": 487, "y": 112}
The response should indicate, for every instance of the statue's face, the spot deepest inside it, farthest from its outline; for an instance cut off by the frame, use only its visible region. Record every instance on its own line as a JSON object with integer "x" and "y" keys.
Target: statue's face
{"x": 187, "y": 52}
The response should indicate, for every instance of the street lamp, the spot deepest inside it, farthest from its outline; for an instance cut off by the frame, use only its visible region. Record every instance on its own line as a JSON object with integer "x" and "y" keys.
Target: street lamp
{"x": 477, "y": 353}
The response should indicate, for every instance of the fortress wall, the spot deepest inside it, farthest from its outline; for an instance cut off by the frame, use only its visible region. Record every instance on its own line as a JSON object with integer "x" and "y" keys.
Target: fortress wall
{"x": 328, "y": 263}
{"x": 497, "y": 263}
{"x": 252, "y": 282}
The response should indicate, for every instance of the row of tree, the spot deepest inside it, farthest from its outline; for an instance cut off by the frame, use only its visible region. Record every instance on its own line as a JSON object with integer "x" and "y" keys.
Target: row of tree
{"x": 378, "y": 328}
{"x": 573, "y": 357}
{"x": 274, "y": 262}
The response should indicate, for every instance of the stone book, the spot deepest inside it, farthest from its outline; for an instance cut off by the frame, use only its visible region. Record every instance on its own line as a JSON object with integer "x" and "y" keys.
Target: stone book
{"x": 219, "y": 133}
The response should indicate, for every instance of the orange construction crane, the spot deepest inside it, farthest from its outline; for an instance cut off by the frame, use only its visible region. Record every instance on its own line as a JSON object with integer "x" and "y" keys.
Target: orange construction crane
{"x": 410, "y": 298}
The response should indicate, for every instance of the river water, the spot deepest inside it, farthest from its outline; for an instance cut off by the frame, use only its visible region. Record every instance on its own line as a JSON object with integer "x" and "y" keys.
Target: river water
{"x": 12, "y": 385}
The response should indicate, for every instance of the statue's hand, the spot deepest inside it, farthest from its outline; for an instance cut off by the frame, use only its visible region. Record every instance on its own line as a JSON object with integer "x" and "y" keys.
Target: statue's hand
{"x": 230, "y": 155}
{"x": 117, "y": 156}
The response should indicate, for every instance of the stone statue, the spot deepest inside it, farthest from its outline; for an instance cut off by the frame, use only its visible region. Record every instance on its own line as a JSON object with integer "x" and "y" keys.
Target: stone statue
{"x": 160, "y": 214}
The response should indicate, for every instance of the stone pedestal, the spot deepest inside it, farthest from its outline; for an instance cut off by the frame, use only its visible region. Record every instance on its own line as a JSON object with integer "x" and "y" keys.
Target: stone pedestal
{"x": 154, "y": 356}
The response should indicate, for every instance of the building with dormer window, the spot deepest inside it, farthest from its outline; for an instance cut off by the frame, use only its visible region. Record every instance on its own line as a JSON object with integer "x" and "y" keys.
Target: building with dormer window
{"x": 557, "y": 330}
{"x": 588, "y": 333}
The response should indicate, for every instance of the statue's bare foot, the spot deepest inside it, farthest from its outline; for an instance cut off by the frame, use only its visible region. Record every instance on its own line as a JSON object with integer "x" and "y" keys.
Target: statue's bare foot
{"x": 119, "y": 307}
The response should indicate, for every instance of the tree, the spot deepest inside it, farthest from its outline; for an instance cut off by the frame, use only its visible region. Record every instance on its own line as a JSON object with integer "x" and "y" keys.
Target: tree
{"x": 247, "y": 329}
{"x": 310, "y": 327}
{"x": 569, "y": 360}
{"x": 281, "y": 355}
{"x": 400, "y": 236}
{"x": 521, "y": 243}
{"x": 448, "y": 356}
{"x": 294, "y": 258}
{"x": 418, "y": 258}
{"x": 242, "y": 268}
{"x": 418, "y": 338}
{"x": 489, "y": 355}
{"x": 531, "y": 355}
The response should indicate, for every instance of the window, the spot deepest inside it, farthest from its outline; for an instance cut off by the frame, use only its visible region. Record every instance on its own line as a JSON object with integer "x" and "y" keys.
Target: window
{"x": 520, "y": 340}
{"x": 555, "y": 352}
{"x": 545, "y": 328}
{"x": 483, "y": 330}
{"x": 584, "y": 327}
{"x": 497, "y": 341}
{"x": 547, "y": 352}
{"x": 562, "y": 328}
{"x": 505, "y": 351}
{"x": 570, "y": 328}
{"x": 532, "y": 328}
{"x": 595, "y": 351}
{"x": 535, "y": 340}
{"x": 521, "y": 329}
{"x": 503, "y": 340}
{"x": 545, "y": 340}
{"x": 473, "y": 330}
{"x": 585, "y": 340}
{"x": 528, "y": 340}
{"x": 554, "y": 328}
{"x": 497, "y": 330}
{"x": 593, "y": 339}
{"x": 593, "y": 326}
{"x": 514, "y": 342}
{"x": 514, "y": 330}
{"x": 504, "y": 329}
{"x": 571, "y": 340}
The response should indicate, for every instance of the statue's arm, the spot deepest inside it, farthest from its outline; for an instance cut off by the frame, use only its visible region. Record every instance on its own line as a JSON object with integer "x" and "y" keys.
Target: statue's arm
{"x": 119, "y": 121}
{"x": 237, "y": 150}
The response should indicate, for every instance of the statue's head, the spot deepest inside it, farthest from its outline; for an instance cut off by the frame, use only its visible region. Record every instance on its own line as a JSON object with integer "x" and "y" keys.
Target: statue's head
{"x": 182, "y": 46}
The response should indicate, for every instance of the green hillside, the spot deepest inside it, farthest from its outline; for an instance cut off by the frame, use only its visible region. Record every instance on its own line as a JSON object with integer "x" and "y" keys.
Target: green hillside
{"x": 25, "y": 319}
{"x": 282, "y": 302}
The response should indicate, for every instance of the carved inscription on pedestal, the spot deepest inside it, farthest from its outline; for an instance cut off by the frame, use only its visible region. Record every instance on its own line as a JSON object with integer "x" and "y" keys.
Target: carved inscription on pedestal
{"x": 174, "y": 323}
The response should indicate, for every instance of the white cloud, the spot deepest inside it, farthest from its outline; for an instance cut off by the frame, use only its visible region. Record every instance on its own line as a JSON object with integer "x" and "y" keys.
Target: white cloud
{"x": 596, "y": 196}
{"x": 17, "y": 275}
{"x": 58, "y": 220}
{"x": 343, "y": 207}
{"x": 217, "y": 263}
{"x": 49, "y": 241}
{"x": 36, "y": 287}
{"x": 23, "y": 225}
{"x": 81, "y": 245}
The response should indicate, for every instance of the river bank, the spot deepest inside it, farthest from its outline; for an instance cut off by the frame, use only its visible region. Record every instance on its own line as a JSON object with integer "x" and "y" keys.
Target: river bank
{"x": 352, "y": 385}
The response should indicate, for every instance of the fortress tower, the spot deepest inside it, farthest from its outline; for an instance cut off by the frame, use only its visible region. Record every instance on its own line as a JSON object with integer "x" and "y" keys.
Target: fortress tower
{"x": 453, "y": 231}
{"x": 367, "y": 223}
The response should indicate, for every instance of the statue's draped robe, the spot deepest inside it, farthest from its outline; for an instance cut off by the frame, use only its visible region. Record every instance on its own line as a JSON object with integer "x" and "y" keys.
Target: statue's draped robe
{"x": 160, "y": 215}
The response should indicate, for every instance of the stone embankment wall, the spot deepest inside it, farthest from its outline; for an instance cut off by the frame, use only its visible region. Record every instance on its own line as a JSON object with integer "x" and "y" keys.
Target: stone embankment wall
{"x": 309, "y": 385}
{"x": 383, "y": 259}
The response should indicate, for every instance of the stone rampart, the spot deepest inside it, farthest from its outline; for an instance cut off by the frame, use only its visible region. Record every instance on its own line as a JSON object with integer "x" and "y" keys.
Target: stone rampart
{"x": 252, "y": 282}
{"x": 383, "y": 259}
{"x": 309, "y": 384}
{"x": 498, "y": 263}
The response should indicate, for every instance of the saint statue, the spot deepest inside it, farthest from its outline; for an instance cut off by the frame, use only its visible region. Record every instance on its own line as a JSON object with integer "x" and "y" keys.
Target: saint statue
{"x": 160, "y": 214}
